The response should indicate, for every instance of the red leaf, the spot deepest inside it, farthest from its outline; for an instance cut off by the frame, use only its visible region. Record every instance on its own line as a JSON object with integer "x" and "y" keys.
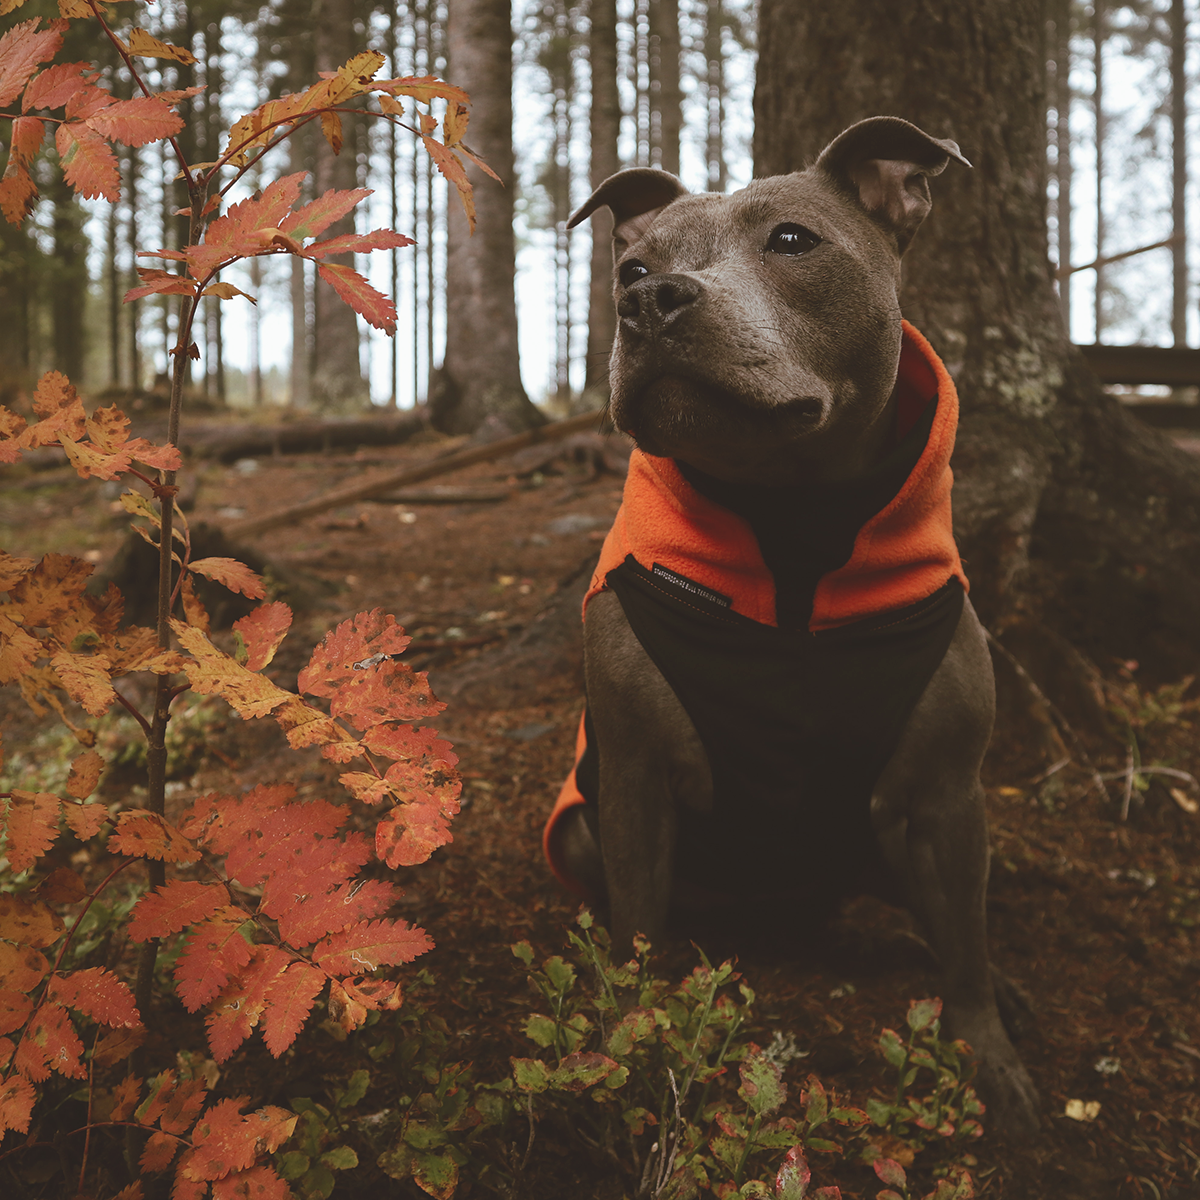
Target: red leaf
{"x": 22, "y": 968}
{"x": 411, "y": 743}
{"x": 261, "y": 633}
{"x": 125, "y": 1096}
{"x": 155, "y": 282}
{"x": 220, "y": 821}
{"x": 318, "y": 215}
{"x": 237, "y": 1010}
{"x": 22, "y": 48}
{"x": 450, "y": 165}
{"x": 183, "y": 1107}
{"x": 314, "y": 916}
{"x": 54, "y": 86}
{"x": 172, "y": 907}
{"x": 225, "y": 1141}
{"x": 137, "y": 122}
{"x": 373, "y": 306}
{"x": 15, "y": 1008}
{"x": 258, "y": 1183}
{"x": 890, "y": 1171}
{"x": 98, "y": 994}
{"x": 16, "y": 1104}
{"x": 390, "y": 691}
{"x": 362, "y": 785}
{"x": 214, "y": 950}
{"x": 159, "y": 1151}
{"x": 300, "y": 864}
{"x": 17, "y": 194}
{"x": 27, "y": 134}
{"x": 88, "y": 162}
{"x": 32, "y": 827}
{"x": 410, "y": 833}
{"x": 358, "y": 243}
{"x": 236, "y": 576}
{"x": 50, "y": 1044}
{"x": 113, "y": 1045}
{"x": 142, "y": 834}
{"x": 289, "y": 1000}
{"x": 158, "y": 1095}
{"x": 362, "y": 637}
{"x": 369, "y": 945}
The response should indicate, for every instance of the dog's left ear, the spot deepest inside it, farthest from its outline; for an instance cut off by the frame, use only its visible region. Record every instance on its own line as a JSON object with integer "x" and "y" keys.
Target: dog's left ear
{"x": 886, "y": 161}
{"x": 636, "y": 197}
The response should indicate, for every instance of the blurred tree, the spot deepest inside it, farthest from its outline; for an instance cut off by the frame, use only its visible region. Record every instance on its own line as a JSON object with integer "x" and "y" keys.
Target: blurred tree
{"x": 1067, "y": 508}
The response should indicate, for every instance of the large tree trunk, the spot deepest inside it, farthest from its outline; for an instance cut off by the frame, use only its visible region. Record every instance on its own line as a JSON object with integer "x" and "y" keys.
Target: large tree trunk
{"x": 481, "y": 377}
{"x": 1065, "y": 506}
{"x": 604, "y": 127}
{"x": 337, "y": 378}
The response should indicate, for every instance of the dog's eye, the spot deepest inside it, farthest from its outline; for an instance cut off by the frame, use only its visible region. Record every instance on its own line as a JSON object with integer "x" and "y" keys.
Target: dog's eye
{"x": 792, "y": 239}
{"x": 631, "y": 271}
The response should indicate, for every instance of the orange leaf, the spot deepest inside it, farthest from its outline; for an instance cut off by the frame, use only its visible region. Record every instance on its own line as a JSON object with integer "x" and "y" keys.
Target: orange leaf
{"x": 159, "y": 1151}
{"x": 225, "y": 1141}
{"x": 156, "y": 282}
{"x": 371, "y": 944}
{"x": 289, "y": 1001}
{"x": 331, "y": 130}
{"x": 125, "y": 1096}
{"x": 62, "y": 886}
{"x": 84, "y": 774}
{"x": 260, "y": 633}
{"x": 137, "y": 122}
{"x": 143, "y": 834}
{"x": 214, "y": 950}
{"x": 450, "y": 165}
{"x": 362, "y": 637}
{"x": 15, "y": 1008}
{"x": 57, "y": 403}
{"x": 22, "y": 49}
{"x": 357, "y": 243}
{"x": 390, "y": 691}
{"x": 32, "y": 827}
{"x": 256, "y": 1183}
{"x": 142, "y": 45}
{"x": 52, "y": 591}
{"x": 54, "y": 86}
{"x": 364, "y": 786}
{"x": 319, "y": 214}
{"x": 17, "y": 194}
{"x": 50, "y": 1044}
{"x": 28, "y": 922}
{"x": 236, "y": 576}
{"x": 88, "y": 162}
{"x": 98, "y": 994}
{"x": 183, "y": 1107}
{"x": 422, "y": 88}
{"x": 193, "y": 607}
{"x": 16, "y": 1104}
{"x": 84, "y": 820}
{"x": 408, "y": 743}
{"x": 347, "y": 1009}
{"x": 236, "y": 1011}
{"x": 85, "y": 677}
{"x": 158, "y": 1094}
{"x": 114, "y": 1045}
{"x": 373, "y": 306}
{"x": 314, "y": 916}
{"x": 22, "y": 968}
{"x": 27, "y": 134}
{"x": 172, "y": 907}
{"x": 214, "y": 671}
{"x": 410, "y": 833}
{"x": 13, "y": 569}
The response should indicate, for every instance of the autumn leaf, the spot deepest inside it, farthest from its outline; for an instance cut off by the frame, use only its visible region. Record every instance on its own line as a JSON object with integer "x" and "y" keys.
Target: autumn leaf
{"x": 450, "y": 165}
{"x": 15, "y": 1008}
{"x": 226, "y": 291}
{"x": 143, "y": 834}
{"x": 172, "y": 907}
{"x": 410, "y": 833}
{"x": 289, "y": 1000}
{"x": 316, "y": 216}
{"x": 22, "y": 49}
{"x": 390, "y": 691}
{"x": 224, "y": 1140}
{"x": 98, "y": 994}
{"x": 183, "y": 1107}
{"x": 357, "y": 243}
{"x": 212, "y": 671}
{"x": 255, "y": 1183}
{"x": 369, "y": 945}
{"x": 373, "y": 306}
{"x": 158, "y": 1095}
{"x": 259, "y": 634}
{"x": 347, "y": 1009}
{"x": 125, "y": 1096}
{"x": 86, "y": 680}
{"x": 88, "y": 162}
{"x": 353, "y": 641}
{"x": 157, "y": 282}
{"x": 50, "y": 1044}
{"x": 235, "y": 1012}
{"x": 57, "y": 403}
{"x": 22, "y": 968}
{"x": 236, "y": 576}
{"x": 27, "y": 134}
{"x": 54, "y": 86}
{"x": 214, "y": 950}
{"x": 84, "y": 774}
{"x": 422, "y": 88}
{"x": 13, "y": 569}
{"x": 143, "y": 45}
{"x": 84, "y": 820}
{"x": 16, "y": 1104}
{"x": 32, "y": 827}
{"x": 159, "y": 1151}
{"x": 28, "y": 922}
{"x": 17, "y": 194}
{"x": 62, "y": 886}
{"x": 316, "y": 915}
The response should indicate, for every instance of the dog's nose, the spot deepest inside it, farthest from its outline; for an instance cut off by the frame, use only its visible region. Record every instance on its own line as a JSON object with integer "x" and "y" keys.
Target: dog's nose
{"x": 655, "y": 302}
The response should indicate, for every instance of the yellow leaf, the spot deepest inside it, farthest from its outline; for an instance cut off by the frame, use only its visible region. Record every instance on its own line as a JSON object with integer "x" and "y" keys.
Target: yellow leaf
{"x": 1184, "y": 801}
{"x": 143, "y": 45}
{"x": 84, "y": 774}
{"x": 86, "y": 680}
{"x": 212, "y": 671}
{"x": 226, "y": 291}
{"x": 1078, "y": 1110}
{"x": 13, "y": 568}
{"x": 331, "y": 127}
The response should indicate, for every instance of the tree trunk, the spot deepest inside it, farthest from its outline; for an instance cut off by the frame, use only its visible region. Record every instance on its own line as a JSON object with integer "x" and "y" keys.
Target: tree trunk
{"x": 1065, "y": 506}
{"x": 604, "y": 128}
{"x": 666, "y": 98}
{"x": 1179, "y": 172}
{"x": 1062, "y": 141}
{"x": 337, "y": 377}
{"x": 714, "y": 80}
{"x": 1098, "y": 31}
{"x": 68, "y": 280}
{"x": 480, "y": 379}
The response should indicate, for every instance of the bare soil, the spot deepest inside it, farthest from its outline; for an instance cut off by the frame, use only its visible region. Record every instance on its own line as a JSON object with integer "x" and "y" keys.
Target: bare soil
{"x": 1094, "y": 916}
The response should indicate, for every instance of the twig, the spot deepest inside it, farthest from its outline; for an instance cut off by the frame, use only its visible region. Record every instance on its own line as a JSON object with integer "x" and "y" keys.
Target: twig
{"x": 1056, "y": 716}
{"x": 1172, "y": 771}
{"x": 1128, "y": 784}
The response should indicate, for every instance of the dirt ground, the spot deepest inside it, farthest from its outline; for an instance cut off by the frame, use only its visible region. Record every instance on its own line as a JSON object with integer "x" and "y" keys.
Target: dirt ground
{"x": 1094, "y": 916}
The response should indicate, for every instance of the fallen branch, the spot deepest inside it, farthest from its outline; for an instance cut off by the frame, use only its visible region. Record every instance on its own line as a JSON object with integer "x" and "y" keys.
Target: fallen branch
{"x": 411, "y": 475}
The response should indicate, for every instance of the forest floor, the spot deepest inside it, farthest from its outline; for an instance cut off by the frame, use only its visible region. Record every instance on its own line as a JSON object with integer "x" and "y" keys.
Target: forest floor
{"x": 1095, "y": 916}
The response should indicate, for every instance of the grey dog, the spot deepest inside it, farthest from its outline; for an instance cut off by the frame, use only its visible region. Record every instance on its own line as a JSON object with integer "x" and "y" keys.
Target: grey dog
{"x": 785, "y": 680}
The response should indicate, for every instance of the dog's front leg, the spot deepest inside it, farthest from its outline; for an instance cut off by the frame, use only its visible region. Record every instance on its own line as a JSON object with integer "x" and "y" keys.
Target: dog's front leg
{"x": 652, "y": 768}
{"x": 929, "y": 815}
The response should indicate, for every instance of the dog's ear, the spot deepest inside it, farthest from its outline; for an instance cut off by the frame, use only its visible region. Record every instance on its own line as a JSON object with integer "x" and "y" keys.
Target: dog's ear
{"x": 636, "y": 197}
{"x": 886, "y": 162}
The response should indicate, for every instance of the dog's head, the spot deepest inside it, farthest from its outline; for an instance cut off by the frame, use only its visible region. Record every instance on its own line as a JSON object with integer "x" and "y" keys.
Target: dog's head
{"x": 758, "y": 334}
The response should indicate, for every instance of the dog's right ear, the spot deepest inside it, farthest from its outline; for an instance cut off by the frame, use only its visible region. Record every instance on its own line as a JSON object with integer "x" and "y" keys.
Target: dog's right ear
{"x": 636, "y": 197}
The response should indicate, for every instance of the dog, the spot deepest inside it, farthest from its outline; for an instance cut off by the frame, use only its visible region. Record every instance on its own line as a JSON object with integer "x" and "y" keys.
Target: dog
{"x": 786, "y": 683}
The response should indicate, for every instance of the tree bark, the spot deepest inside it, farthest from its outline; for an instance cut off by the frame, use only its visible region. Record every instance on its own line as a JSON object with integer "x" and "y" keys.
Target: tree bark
{"x": 337, "y": 376}
{"x": 1179, "y": 297}
{"x": 604, "y": 128}
{"x": 480, "y": 380}
{"x": 1065, "y": 506}
{"x": 666, "y": 97}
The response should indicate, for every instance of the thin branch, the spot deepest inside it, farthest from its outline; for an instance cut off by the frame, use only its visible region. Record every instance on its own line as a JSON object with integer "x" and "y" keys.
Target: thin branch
{"x": 132, "y": 709}
{"x": 1064, "y": 272}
